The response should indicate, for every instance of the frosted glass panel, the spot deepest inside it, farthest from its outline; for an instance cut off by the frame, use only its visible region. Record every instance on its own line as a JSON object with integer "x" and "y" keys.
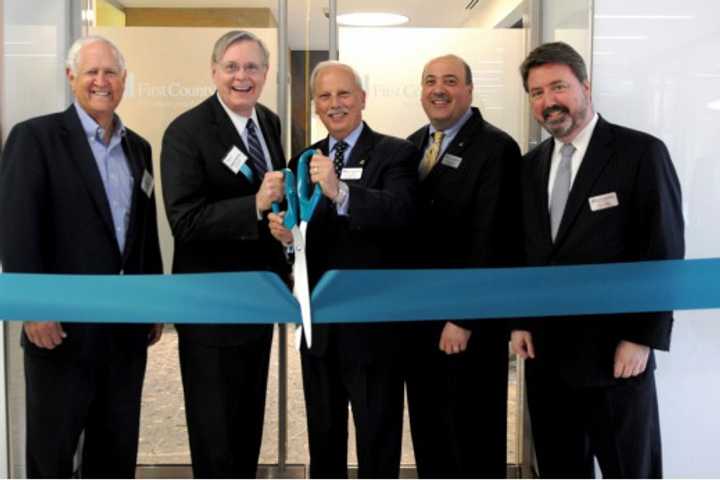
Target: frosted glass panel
{"x": 392, "y": 78}
{"x": 656, "y": 68}
{"x": 33, "y": 66}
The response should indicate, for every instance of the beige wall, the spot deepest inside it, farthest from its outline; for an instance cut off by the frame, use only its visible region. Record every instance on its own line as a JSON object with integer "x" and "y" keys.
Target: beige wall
{"x": 168, "y": 73}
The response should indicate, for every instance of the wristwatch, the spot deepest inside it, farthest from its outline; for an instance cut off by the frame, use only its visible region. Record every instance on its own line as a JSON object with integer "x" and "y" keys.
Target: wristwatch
{"x": 342, "y": 194}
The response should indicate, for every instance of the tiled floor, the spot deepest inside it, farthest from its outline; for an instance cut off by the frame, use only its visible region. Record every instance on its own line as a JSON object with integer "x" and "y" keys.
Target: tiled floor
{"x": 163, "y": 435}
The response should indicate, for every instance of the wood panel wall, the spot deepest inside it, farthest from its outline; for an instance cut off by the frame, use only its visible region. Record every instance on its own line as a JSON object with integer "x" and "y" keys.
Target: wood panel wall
{"x": 200, "y": 17}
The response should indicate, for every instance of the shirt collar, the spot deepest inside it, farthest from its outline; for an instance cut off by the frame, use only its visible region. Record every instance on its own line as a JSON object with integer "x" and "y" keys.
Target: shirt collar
{"x": 582, "y": 140}
{"x": 238, "y": 120}
{"x": 351, "y": 139}
{"x": 93, "y": 129}
{"x": 455, "y": 127}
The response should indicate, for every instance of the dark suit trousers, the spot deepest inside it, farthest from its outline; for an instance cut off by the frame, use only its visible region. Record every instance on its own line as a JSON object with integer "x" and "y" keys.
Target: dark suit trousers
{"x": 458, "y": 407}
{"x": 100, "y": 395}
{"x": 225, "y": 405}
{"x": 375, "y": 393}
{"x": 618, "y": 424}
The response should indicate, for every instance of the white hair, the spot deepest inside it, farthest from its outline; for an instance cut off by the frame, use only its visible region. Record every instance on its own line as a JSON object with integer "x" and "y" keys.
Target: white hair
{"x": 332, "y": 63}
{"x": 73, "y": 54}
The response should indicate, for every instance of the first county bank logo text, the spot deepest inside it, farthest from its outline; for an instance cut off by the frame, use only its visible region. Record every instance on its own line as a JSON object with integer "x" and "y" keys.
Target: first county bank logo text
{"x": 135, "y": 88}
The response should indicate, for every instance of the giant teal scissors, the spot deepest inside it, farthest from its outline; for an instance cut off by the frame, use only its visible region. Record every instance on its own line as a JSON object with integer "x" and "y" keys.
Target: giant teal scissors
{"x": 301, "y": 205}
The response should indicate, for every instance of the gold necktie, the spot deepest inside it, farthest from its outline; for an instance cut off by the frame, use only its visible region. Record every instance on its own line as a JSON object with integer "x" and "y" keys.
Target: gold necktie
{"x": 431, "y": 155}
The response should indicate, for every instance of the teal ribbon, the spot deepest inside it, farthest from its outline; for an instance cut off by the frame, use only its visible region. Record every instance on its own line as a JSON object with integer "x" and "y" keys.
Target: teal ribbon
{"x": 365, "y": 295}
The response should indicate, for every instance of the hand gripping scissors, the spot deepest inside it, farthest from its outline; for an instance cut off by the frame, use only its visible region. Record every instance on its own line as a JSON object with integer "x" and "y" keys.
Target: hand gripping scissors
{"x": 301, "y": 205}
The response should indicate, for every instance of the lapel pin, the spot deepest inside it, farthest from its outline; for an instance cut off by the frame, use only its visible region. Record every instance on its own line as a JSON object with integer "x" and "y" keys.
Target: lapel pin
{"x": 362, "y": 162}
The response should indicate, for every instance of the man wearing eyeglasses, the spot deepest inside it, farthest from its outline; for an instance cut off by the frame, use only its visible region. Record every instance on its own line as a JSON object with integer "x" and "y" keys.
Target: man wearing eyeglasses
{"x": 220, "y": 167}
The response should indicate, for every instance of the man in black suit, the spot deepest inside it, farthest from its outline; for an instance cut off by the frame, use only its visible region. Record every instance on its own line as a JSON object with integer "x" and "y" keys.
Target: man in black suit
{"x": 368, "y": 189}
{"x": 218, "y": 161}
{"x": 76, "y": 197}
{"x": 470, "y": 211}
{"x": 593, "y": 193}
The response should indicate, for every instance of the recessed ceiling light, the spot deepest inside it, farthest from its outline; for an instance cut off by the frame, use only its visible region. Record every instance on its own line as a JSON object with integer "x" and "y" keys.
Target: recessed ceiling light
{"x": 714, "y": 105}
{"x": 371, "y": 19}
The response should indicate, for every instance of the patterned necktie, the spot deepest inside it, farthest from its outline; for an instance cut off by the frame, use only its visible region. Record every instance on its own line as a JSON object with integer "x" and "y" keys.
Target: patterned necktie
{"x": 431, "y": 155}
{"x": 339, "y": 160}
{"x": 255, "y": 150}
{"x": 561, "y": 188}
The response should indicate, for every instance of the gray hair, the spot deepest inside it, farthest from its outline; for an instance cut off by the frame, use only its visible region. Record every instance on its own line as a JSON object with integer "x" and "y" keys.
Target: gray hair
{"x": 73, "y": 55}
{"x": 237, "y": 36}
{"x": 466, "y": 67}
{"x": 333, "y": 63}
{"x": 554, "y": 52}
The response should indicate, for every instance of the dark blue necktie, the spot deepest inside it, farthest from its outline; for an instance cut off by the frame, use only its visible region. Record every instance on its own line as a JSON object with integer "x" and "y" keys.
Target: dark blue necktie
{"x": 339, "y": 160}
{"x": 255, "y": 150}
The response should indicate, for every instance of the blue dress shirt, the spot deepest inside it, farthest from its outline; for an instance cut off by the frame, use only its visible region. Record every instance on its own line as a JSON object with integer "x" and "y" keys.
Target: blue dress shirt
{"x": 114, "y": 171}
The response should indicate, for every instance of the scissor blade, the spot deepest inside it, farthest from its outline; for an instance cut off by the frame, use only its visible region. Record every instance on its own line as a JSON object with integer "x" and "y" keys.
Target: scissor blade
{"x": 301, "y": 289}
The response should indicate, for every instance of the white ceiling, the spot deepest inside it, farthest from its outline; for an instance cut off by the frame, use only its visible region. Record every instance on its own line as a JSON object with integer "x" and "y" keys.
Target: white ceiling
{"x": 304, "y": 15}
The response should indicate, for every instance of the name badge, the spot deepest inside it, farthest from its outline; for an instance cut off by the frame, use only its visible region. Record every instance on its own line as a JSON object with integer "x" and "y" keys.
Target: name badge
{"x": 354, "y": 173}
{"x": 451, "y": 161}
{"x": 601, "y": 202}
{"x": 235, "y": 159}
{"x": 147, "y": 184}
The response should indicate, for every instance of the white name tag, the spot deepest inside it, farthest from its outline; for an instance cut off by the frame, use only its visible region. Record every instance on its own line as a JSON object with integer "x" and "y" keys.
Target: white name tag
{"x": 235, "y": 159}
{"x": 147, "y": 183}
{"x": 601, "y": 202}
{"x": 354, "y": 173}
{"x": 451, "y": 161}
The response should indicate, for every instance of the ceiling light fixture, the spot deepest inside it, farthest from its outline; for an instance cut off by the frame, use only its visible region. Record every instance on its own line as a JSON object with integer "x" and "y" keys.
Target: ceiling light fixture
{"x": 714, "y": 105}
{"x": 371, "y": 19}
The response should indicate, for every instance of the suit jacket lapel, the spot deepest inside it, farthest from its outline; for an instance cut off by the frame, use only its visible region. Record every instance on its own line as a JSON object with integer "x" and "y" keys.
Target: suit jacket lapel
{"x": 82, "y": 156}
{"x": 360, "y": 154}
{"x": 468, "y": 132}
{"x": 271, "y": 136}
{"x": 227, "y": 132}
{"x": 137, "y": 168}
{"x": 465, "y": 136}
{"x": 597, "y": 156}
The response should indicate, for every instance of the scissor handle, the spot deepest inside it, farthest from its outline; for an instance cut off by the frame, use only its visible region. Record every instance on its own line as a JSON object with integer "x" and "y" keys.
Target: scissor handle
{"x": 291, "y": 215}
{"x": 307, "y": 201}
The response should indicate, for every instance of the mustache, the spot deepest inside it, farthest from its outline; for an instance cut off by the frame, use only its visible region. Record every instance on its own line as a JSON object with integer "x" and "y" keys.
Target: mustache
{"x": 553, "y": 109}
{"x": 336, "y": 110}
{"x": 440, "y": 96}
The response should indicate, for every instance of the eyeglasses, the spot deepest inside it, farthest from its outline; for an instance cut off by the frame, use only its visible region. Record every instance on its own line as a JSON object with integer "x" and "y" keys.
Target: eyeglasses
{"x": 231, "y": 68}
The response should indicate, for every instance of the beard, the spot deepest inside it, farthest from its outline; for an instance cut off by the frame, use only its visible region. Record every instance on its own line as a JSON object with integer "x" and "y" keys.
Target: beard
{"x": 567, "y": 122}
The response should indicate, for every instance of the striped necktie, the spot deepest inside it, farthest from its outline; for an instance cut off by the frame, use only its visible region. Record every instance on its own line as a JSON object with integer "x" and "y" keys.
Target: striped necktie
{"x": 255, "y": 149}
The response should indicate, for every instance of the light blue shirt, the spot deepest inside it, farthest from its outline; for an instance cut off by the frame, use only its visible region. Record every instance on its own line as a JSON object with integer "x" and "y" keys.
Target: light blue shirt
{"x": 351, "y": 140}
{"x": 114, "y": 171}
{"x": 450, "y": 133}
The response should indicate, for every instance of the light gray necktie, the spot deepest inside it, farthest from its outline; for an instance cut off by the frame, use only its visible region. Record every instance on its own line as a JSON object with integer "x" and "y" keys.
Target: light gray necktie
{"x": 561, "y": 188}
